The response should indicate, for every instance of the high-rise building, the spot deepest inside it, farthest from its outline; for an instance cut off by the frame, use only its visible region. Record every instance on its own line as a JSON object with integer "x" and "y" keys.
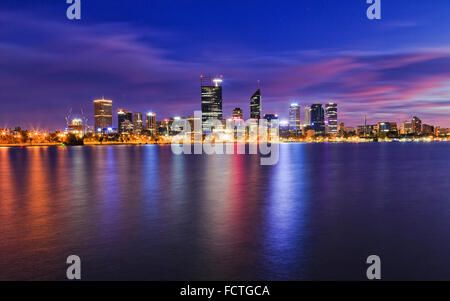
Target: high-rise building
{"x": 294, "y": 117}
{"x": 331, "y": 111}
{"x": 138, "y": 122}
{"x": 211, "y": 94}
{"x": 318, "y": 119}
{"x": 255, "y": 105}
{"x": 407, "y": 128}
{"x": 125, "y": 121}
{"x": 307, "y": 117}
{"x": 427, "y": 129}
{"x": 103, "y": 114}
{"x": 150, "y": 124}
{"x": 237, "y": 113}
{"x": 417, "y": 125}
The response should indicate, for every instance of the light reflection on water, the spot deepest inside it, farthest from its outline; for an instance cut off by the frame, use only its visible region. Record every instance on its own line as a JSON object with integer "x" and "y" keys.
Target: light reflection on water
{"x": 140, "y": 212}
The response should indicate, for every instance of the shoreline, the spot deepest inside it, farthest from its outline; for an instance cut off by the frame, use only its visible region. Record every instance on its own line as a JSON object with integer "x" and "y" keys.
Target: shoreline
{"x": 29, "y": 145}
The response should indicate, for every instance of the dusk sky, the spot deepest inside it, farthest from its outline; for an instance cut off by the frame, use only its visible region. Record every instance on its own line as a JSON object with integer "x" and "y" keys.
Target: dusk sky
{"x": 148, "y": 55}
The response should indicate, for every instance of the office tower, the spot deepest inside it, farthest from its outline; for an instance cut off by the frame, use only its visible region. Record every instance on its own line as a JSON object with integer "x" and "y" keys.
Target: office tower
{"x": 387, "y": 129}
{"x": 255, "y": 105}
{"x": 331, "y": 118}
{"x": 211, "y": 93}
{"x": 237, "y": 113}
{"x": 138, "y": 123}
{"x": 407, "y": 128}
{"x": 427, "y": 129}
{"x": 307, "y": 116}
{"x": 150, "y": 124}
{"x": 294, "y": 117}
{"x": 318, "y": 119}
{"x": 103, "y": 114}
{"x": 193, "y": 132}
{"x": 417, "y": 125}
{"x": 125, "y": 121}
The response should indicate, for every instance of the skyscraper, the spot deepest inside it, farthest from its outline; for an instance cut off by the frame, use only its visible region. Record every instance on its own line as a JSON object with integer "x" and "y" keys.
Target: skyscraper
{"x": 318, "y": 119}
{"x": 307, "y": 117}
{"x": 237, "y": 113}
{"x": 102, "y": 114}
{"x": 255, "y": 105}
{"x": 294, "y": 117}
{"x": 125, "y": 121}
{"x": 417, "y": 125}
{"x": 211, "y": 101}
{"x": 138, "y": 123}
{"x": 151, "y": 124}
{"x": 331, "y": 118}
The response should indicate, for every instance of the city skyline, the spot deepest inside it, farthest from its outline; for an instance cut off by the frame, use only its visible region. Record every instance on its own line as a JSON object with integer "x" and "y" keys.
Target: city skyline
{"x": 142, "y": 62}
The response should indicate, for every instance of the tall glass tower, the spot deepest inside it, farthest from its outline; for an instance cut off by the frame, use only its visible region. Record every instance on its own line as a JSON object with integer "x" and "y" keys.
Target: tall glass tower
{"x": 255, "y": 105}
{"x": 318, "y": 119}
{"x": 125, "y": 120}
{"x": 294, "y": 117}
{"x": 331, "y": 111}
{"x": 307, "y": 116}
{"x": 211, "y": 101}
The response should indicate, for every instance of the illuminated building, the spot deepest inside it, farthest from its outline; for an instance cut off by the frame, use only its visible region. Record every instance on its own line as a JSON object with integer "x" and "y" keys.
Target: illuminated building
{"x": 294, "y": 117}
{"x": 442, "y": 131}
{"x": 331, "y": 111}
{"x": 164, "y": 127}
{"x": 194, "y": 133}
{"x": 177, "y": 125}
{"x": 125, "y": 121}
{"x": 341, "y": 128}
{"x": 211, "y": 94}
{"x": 307, "y": 121}
{"x": 76, "y": 127}
{"x": 150, "y": 124}
{"x": 255, "y": 105}
{"x": 103, "y": 114}
{"x": 138, "y": 123}
{"x": 407, "y": 128}
{"x": 237, "y": 113}
{"x": 385, "y": 129}
{"x": 416, "y": 125}
{"x": 318, "y": 119}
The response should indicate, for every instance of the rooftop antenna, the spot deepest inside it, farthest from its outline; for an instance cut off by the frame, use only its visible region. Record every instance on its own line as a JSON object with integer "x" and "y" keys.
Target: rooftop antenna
{"x": 259, "y": 84}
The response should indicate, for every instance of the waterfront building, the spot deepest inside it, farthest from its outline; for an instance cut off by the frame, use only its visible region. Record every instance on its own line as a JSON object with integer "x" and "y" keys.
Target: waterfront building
{"x": 103, "y": 115}
{"x": 331, "y": 112}
{"x": 427, "y": 129}
{"x": 294, "y": 117}
{"x": 150, "y": 124}
{"x": 416, "y": 125}
{"x": 211, "y": 96}
{"x": 318, "y": 119}
{"x": 125, "y": 121}
{"x": 387, "y": 129}
{"x": 307, "y": 117}
{"x": 255, "y": 105}
{"x": 138, "y": 123}
{"x": 407, "y": 128}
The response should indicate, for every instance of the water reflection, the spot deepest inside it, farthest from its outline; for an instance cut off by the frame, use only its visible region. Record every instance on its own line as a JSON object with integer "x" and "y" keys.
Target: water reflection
{"x": 142, "y": 213}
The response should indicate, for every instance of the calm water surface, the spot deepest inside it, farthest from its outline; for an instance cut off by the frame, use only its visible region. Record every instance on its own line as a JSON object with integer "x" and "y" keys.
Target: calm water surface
{"x": 140, "y": 212}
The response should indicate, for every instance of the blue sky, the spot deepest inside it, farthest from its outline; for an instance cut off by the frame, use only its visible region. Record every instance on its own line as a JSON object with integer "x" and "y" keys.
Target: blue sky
{"x": 148, "y": 55}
